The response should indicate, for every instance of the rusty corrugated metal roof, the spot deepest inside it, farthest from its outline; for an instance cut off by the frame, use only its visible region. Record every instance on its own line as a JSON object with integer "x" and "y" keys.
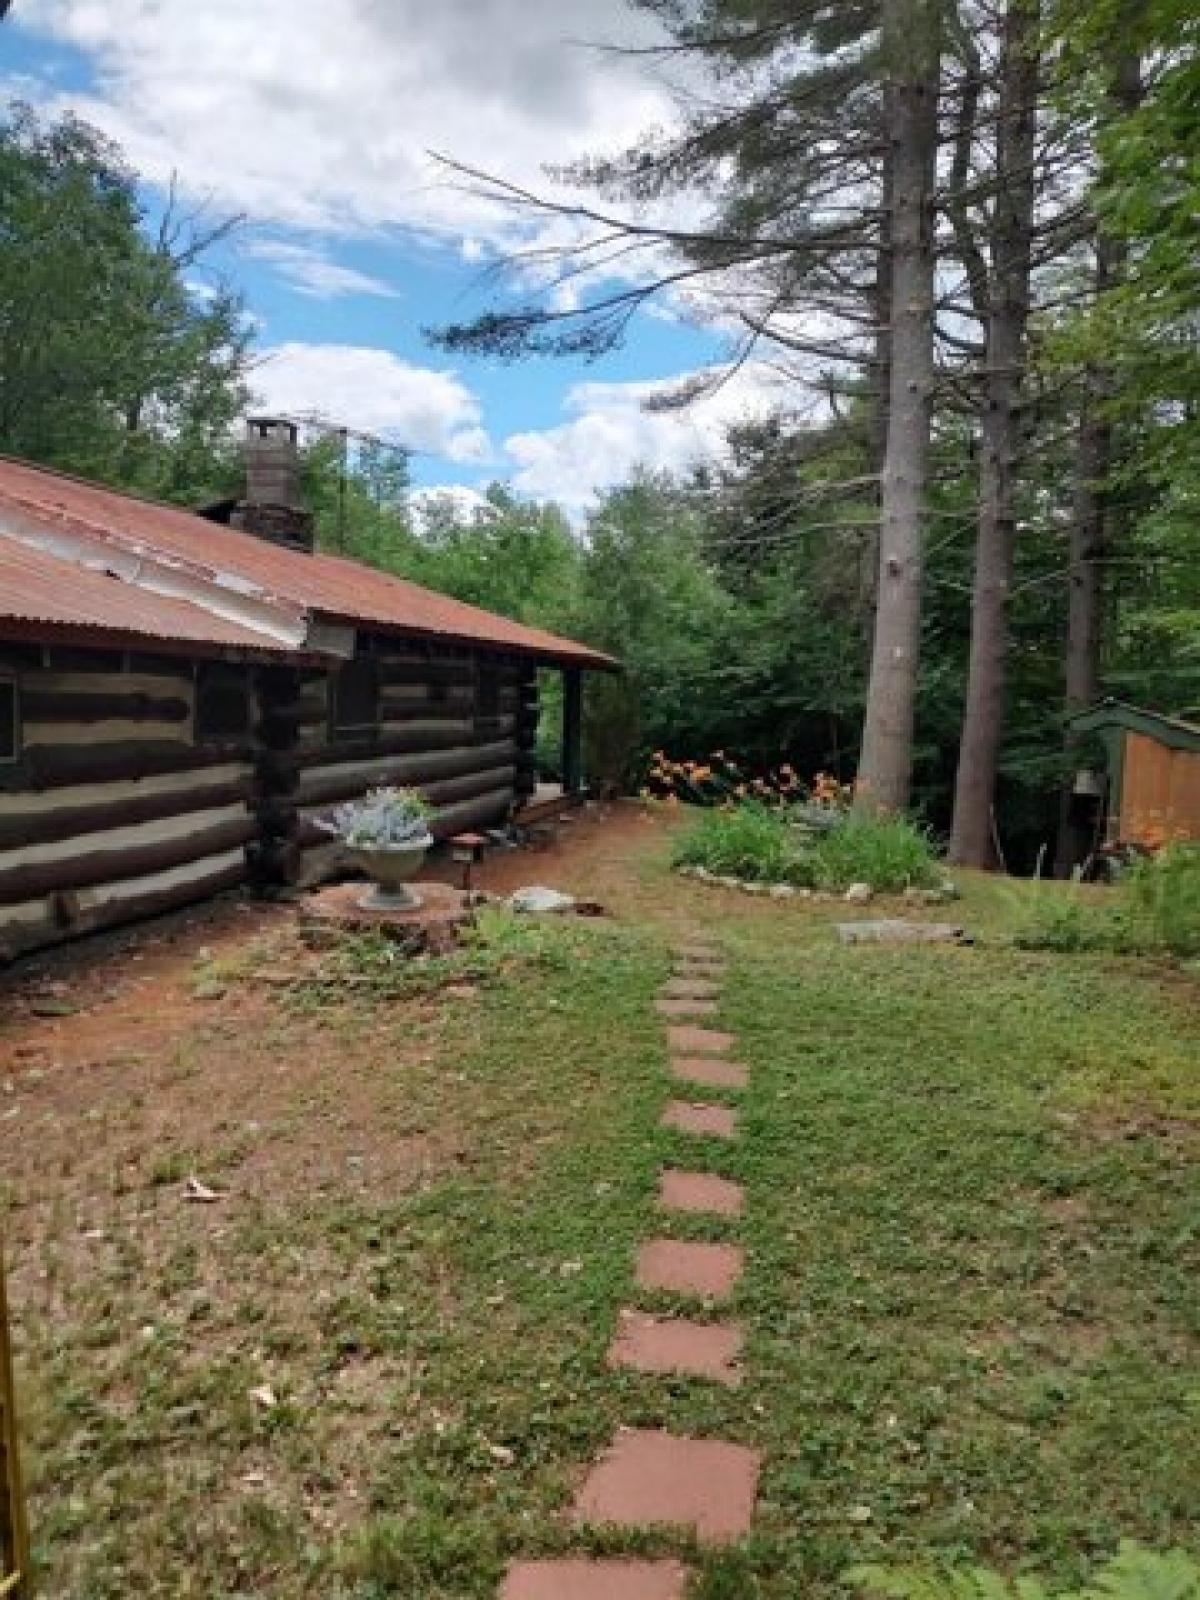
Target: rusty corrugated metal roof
{"x": 39, "y": 591}
{"x": 331, "y": 586}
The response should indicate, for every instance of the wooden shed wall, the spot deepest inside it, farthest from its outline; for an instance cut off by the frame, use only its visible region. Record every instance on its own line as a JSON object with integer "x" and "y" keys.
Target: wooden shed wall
{"x": 113, "y": 811}
{"x": 1160, "y": 792}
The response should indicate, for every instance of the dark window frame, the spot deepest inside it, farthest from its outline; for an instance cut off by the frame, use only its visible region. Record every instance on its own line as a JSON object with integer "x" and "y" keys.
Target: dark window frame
{"x": 344, "y": 730}
{"x": 10, "y": 686}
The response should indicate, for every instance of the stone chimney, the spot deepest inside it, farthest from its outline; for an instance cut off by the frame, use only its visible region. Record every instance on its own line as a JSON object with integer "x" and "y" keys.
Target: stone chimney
{"x": 273, "y": 508}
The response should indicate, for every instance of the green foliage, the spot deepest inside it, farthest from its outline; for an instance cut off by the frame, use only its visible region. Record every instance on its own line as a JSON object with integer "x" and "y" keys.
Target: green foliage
{"x": 762, "y": 844}
{"x": 751, "y": 842}
{"x": 109, "y": 364}
{"x": 889, "y": 853}
{"x": 1164, "y": 891}
{"x": 1134, "y": 1573}
{"x": 1154, "y": 910}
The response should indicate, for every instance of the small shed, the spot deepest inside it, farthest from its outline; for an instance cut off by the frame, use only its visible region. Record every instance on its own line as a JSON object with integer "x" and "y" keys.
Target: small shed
{"x": 1151, "y": 784}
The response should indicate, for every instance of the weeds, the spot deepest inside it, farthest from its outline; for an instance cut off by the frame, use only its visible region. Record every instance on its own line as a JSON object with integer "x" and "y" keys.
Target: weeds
{"x": 1155, "y": 910}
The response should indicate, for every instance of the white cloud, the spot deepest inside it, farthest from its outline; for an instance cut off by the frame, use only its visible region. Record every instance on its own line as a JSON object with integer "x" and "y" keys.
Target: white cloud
{"x": 372, "y": 389}
{"x": 320, "y": 114}
{"x": 464, "y": 503}
{"x": 311, "y": 271}
{"x": 610, "y": 432}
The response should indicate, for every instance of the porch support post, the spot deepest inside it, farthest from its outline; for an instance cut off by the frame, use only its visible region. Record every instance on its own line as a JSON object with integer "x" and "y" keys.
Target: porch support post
{"x": 572, "y": 730}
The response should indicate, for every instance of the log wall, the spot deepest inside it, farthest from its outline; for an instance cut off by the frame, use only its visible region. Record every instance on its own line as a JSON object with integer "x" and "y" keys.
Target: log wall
{"x": 113, "y": 810}
{"x": 450, "y": 722}
{"x": 117, "y": 808}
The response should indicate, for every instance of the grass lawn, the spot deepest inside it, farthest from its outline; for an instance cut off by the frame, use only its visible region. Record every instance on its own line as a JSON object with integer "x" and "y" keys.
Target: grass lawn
{"x": 375, "y": 1367}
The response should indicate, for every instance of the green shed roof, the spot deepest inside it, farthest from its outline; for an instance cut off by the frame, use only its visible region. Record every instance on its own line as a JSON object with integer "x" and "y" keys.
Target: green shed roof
{"x": 1171, "y": 731}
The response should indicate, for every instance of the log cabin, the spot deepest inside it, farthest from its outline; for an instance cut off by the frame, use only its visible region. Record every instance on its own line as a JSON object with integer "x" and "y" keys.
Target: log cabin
{"x": 184, "y": 695}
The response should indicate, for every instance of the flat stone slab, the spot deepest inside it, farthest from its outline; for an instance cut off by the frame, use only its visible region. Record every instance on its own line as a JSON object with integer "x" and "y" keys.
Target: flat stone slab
{"x": 690, "y": 989}
{"x": 647, "y": 1478}
{"x": 687, "y": 1007}
{"x": 674, "y": 1346}
{"x": 894, "y": 930}
{"x": 710, "y": 1070}
{"x": 698, "y": 950}
{"x": 689, "y": 1041}
{"x": 595, "y": 1580}
{"x": 687, "y": 1116}
{"x": 700, "y": 1193}
{"x": 709, "y": 1271}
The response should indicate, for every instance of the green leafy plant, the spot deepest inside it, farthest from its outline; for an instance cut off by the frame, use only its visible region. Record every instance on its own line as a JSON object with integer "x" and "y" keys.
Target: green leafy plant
{"x": 1134, "y": 1573}
{"x": 748, "y": 841}
{"x": 769, "y": 844}
{"x": 1154, "y": 910}
{"x": 1164, "y": 895}
{"x": 889, "y": 853}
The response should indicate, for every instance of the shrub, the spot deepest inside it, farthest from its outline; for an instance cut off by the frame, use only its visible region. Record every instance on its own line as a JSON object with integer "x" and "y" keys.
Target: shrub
{"x": 1154, "y": 910}
{"x": 1164, "y": 894}
{"x": 889, "y": 853}
{"x": 745, "y": 841}
{"x": 767, "y": 844}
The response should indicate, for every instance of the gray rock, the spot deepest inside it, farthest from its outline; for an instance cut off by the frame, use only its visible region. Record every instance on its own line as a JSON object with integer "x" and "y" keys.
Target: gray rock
{"x": 894, "y": 930}
{"x": 782, "y": 891}
{"x": 858, "y": 894}
{"x": 537, "y": 899}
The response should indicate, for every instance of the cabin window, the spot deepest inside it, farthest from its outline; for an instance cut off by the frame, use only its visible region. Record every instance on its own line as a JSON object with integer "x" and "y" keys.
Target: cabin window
{"x": 10, "y": 721}
{"x": 355, "y": 698}
{"x": 222, "y": 704}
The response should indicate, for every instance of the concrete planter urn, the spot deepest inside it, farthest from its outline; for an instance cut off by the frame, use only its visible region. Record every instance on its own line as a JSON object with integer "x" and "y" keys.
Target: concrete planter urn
{"x": 390, "y": 870}
{"x": 387, "y": 835}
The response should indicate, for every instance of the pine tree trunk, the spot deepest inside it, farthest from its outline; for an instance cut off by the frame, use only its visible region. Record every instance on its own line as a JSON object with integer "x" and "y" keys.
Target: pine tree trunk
{"x": 972, "y": 832}
{"x": 912, "y": 36}
{"x": 1089, "y": 525}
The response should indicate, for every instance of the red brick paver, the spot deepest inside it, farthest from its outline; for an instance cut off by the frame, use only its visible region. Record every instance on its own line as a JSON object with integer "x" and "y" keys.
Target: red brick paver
{"x": 710, "y": 1070}
{"x": 674, "y": 1345}
{"x": 700, "y": 1193}
{"x": 685, "y": 1117}
{"x": 690, "y": 989}
{"x": 691, "y": 1041}
{"x": 698, "y": 950}
{"x": 686, "y": 1008}
{"x": 683, "y": 1267}
{"x": 646, "y": 1477}
{"x": 595, "y": 1580}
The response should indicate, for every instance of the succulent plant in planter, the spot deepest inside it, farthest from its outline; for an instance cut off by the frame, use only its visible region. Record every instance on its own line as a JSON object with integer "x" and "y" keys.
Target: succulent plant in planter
{"x": 387, "y": 833}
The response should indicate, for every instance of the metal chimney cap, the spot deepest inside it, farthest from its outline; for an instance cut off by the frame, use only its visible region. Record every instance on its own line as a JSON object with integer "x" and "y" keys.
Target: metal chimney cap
{"x": 264, "y": 427}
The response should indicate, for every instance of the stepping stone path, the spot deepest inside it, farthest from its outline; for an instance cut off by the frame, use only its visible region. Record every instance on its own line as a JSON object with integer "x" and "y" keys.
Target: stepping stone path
{"x": 710, "y": 1070}
{"x": 689, "y": 1117}
{"x": 647, "y": 1478}
{"x": 699, "y": 1041}
{"x": 708, "y": 1271}
{"x": 700, "y": 1194}
{"x": 596, "y": 1580}
{"x": 677, "y": 1346}
{"x": 686, "y": 1008}
{"x": 650, "y": 1478}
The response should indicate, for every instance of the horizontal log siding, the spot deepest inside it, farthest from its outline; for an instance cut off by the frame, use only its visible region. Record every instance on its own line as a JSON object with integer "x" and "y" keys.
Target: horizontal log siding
{"x": 112, "y": 811}
{"x": 431, "y": 735}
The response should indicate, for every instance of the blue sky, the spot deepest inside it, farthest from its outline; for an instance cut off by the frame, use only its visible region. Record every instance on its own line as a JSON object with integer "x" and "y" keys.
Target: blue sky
{"x": 316, "y": 118}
